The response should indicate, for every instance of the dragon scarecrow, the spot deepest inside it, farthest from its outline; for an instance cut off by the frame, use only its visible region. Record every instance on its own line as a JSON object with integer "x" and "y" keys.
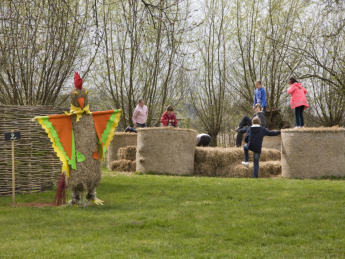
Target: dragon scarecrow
{"x": 80, "y": 138}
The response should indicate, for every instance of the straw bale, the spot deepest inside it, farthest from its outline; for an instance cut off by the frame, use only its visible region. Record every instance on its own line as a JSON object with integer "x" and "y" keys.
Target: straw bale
{"x": 226, "y": 162}
{"x": 272, "y": 142}
{"x": 166, "y": 150}
{"x": 123, "y": 165}
{"x": 313, "y": 152}
{"x": 121, "y": 139}
{"x": 266, "y": 170}
{"x": 333, "y": 129}
{"x": 37, "y": 167}
{"x": 127, "y": 153}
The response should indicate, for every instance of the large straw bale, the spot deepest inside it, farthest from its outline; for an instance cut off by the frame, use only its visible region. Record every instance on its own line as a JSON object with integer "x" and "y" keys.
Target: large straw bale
{"x": 226, "y": 162}
{"x": 166, "y": 150}
{"x": 313, "y": 152}
{"x": 127, "y": 153}
{"x": 272, "y": 142}
{"x": 121, "y": 139}
{"x": 123, "y": 165}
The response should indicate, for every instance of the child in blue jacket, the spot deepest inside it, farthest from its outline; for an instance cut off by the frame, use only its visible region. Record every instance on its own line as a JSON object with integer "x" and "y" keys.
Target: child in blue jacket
{"x": 254, "y": 137}
{"x": 260, "y": 96}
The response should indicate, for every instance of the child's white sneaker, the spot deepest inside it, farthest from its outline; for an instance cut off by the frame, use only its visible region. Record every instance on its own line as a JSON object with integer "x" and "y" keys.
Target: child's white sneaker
{"x": 245, "y": 163}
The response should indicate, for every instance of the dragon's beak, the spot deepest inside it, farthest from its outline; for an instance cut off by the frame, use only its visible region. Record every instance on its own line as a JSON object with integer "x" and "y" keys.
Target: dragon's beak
{"x": 81, "y": 102}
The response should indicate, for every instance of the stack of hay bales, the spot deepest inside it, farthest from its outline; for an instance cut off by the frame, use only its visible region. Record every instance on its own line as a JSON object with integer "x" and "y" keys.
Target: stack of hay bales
{"x": 126, "y": 160}
{"x": 127, "y": 153}
{"x": 121, "y": 139}
{"x": 227, "y": 162}
{"x": 313, "y": 152}
{"x": 166, "y": 150}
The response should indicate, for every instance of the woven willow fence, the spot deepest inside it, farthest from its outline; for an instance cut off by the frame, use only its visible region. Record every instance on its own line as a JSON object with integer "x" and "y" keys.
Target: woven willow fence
{"x": 37, "y": 167}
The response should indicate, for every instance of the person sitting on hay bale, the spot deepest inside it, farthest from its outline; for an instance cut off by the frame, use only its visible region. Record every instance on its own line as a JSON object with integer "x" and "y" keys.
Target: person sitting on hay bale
{"x": 202, "y": 140}
{"x": 246, "y": 121}
{"x": 254, "y": 137}
{"x": 298, "y": 100}
{"x": 168, "y": 118}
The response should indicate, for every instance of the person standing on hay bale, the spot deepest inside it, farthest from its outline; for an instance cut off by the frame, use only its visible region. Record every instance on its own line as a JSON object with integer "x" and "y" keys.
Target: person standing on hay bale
{"x": 140, "y": 114}
{"x": 168, "y": 118}
{"x": 254, "y": 137}
{"x": 202, "y": 140}
{"x": 260, "y": 96}
{"x": 246, "y": 121}
{"x": 298, "y": 100}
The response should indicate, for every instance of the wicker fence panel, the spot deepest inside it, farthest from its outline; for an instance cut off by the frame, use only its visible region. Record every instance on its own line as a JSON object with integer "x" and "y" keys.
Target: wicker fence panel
{"x": 37, "y": 167}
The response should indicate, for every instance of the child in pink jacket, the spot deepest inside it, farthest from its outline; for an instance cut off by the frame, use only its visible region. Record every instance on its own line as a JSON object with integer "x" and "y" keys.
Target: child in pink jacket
{"x": 298, "y": 100}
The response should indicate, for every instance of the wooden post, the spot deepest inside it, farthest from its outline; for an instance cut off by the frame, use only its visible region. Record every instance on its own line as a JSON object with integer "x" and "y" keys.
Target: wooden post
{"x": 13, "y": 176}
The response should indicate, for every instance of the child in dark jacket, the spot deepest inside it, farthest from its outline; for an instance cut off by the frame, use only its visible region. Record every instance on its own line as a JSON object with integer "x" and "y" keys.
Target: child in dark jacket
{"x": 246, "y": 121}
{"x": 254, "y": 137}
{"x": 169, "y": 118}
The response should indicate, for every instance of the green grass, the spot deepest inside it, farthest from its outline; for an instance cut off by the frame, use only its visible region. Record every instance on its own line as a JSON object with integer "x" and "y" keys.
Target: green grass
{"x": 148, "y": 216}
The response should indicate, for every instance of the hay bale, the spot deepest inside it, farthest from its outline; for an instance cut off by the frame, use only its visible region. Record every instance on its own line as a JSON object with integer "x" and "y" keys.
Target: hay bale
{"x": 226, "y": 162}
{"x": 121, "y": 139}
{"x": 166, "y": 150}
{"x": 127, "y": 153}
{"x": 313, "y": 152}
{"x": 123, "y": 165}
{"x": 272, "y": 142}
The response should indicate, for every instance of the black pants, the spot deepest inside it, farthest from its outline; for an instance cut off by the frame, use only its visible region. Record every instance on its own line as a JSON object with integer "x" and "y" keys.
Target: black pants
{"x": 246, "y": 121}
{"x": 141, "y": 125}
{"x": 204, "y": 141}
{"x": 299, "y": 116}
{"x": 240, "y": 135}
{"x": 264, "y": 109}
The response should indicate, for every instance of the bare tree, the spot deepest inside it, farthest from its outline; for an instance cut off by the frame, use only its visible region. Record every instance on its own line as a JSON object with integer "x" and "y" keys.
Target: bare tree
{"x": 208, "y": 94}
{"x": 41, "y": 42}
{"x": 321, "y": 43}
{"x": 259, "y": 26}
{"x": 142, "y": 60}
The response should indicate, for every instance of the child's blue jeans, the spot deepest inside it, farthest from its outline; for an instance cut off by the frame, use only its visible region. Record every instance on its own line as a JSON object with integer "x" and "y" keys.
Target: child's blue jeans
{"x": 256, "y": 160}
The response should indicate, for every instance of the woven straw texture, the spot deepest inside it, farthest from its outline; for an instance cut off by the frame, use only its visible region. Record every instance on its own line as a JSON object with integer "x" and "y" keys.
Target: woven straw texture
{"x": 313, "y": 152}
{"x": 121, "y": 139}
{"x": 88, "y": 173}
{"x": 166, "y": 150}
{"x": 272, "y": 142}
{"x": 127, "y": 153}
{"x": 123, "y": 165}
{"x": 227, "y": 162}
{"x": 37, "y": 167}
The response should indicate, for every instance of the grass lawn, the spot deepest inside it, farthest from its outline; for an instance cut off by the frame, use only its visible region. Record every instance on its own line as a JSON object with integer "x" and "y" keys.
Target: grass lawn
{"x": 148, "y": 216}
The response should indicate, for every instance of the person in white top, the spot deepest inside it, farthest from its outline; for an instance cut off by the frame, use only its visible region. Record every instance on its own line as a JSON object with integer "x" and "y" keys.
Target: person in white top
{"x": 140, "y": 114}
{"x": 202, "y": 140}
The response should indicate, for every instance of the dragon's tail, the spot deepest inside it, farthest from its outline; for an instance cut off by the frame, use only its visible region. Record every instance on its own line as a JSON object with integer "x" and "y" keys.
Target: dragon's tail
{"x": 60, "y": 197}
